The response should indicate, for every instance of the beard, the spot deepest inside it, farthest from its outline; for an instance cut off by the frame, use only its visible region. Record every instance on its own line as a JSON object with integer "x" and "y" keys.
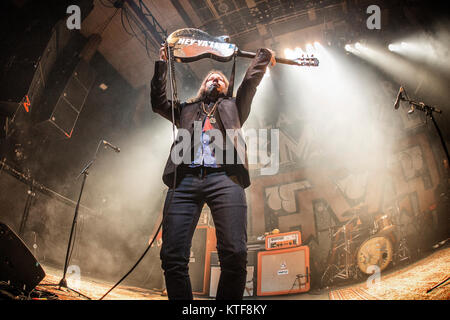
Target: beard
{"x": 212, "y": 93}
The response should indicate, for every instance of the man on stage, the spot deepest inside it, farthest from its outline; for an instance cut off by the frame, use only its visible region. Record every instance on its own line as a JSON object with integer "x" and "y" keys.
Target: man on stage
{"x": 206, "y": 177}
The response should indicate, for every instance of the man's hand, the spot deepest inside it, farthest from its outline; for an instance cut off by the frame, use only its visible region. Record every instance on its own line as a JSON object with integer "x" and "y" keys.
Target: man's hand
{"x": 162, "y": 54}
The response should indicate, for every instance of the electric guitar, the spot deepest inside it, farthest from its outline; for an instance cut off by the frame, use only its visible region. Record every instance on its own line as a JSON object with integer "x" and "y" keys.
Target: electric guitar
{"x": 191, "y": 44}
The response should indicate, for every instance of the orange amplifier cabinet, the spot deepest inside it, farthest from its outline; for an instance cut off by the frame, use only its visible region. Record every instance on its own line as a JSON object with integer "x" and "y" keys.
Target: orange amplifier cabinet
{"x": 283, "y": 271}
{"x": 283, "y": 240}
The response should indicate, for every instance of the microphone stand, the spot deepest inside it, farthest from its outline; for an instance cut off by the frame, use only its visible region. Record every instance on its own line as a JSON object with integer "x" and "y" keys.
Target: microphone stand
{"x": 429, "y": 111}
{"x": 63, "y": 281}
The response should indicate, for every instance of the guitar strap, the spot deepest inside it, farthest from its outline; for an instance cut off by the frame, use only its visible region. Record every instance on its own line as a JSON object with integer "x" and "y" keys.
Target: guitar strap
{"x": 231, "y": 81}
{"x": 173, "y": 77}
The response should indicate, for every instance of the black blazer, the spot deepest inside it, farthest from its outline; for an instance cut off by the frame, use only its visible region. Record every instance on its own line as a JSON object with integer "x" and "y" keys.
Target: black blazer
{"x": 233, "y": 112}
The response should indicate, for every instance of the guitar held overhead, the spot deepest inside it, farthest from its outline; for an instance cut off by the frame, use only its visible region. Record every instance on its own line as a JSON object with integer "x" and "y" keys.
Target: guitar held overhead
{"x": 191, "y": 44}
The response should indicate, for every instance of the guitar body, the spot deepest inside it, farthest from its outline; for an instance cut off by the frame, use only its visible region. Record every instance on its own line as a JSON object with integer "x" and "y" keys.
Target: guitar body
{"x": 191, "y": 44}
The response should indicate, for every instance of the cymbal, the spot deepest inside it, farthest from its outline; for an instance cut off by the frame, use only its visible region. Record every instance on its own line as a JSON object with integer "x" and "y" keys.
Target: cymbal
{"x": 348, "y": 214}
{"x": 354, "y": 211}
{"x": 329, "y": 228}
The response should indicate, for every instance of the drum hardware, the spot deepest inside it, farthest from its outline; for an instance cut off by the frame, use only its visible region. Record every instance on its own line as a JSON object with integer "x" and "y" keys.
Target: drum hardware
{"x": 355, "y": 246}
{"x": 402, "y": 253}
{"x": 377, "y": 250}
{"x": 341, "y": 259}
{"x": 402, "y": 250}
{"x": 383, "y": 224}
{"x": 355, "y": 211}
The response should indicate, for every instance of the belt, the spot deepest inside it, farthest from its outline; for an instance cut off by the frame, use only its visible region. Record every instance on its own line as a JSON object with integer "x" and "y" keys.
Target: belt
{"x": 201, "y": 170}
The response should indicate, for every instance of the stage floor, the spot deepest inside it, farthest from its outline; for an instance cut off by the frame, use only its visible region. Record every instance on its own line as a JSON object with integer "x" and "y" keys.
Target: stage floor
{"x": 410, "y": 282}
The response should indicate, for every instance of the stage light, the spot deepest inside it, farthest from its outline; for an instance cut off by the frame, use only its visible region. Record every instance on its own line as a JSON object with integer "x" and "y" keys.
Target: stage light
{"x": 393, "y": 47}
{"x": 398, "y": 47}
{"x": 424, "y": 48}
{"x": 348, "y": 48}
{"x": 358, "y": 46}
{"x": 395, "y": 64}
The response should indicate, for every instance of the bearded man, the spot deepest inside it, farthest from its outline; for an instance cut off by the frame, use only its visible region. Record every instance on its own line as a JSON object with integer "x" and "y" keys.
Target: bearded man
{"x": 205, "y": 178}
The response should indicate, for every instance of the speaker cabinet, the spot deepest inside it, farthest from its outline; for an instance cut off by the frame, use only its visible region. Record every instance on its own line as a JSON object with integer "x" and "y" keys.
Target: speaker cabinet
{"x": 250, "y": 284}
{"x": 18, "y": 266}
{"x": 283, "y": 271}
{"x": 215, "y": 276}
{"x": 65, "y": 110}
{"x": 30, "y": 63}
{"x": 203, "y": 242}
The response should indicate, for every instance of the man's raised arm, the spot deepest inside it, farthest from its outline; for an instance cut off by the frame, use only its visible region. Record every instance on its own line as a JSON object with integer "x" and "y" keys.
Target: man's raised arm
{"x": 158, "y": 96}
{"x": 252, "y": 78}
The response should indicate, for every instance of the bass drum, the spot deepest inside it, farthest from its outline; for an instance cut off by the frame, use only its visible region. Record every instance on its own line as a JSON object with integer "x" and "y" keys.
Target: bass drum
{"x": 376, "y": 251}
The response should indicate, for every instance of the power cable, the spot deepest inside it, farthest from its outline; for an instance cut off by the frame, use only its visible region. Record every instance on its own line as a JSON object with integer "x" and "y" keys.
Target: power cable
{"x": 173, "y": 102}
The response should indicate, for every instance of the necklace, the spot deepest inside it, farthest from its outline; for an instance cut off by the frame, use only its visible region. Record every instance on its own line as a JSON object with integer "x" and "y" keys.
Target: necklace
{"x": 210, "y": 114}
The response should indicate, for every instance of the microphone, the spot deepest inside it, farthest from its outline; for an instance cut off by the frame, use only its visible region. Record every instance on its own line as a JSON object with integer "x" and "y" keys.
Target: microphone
{"x": 399, "y": 97}
{"x": 116, "y": 149}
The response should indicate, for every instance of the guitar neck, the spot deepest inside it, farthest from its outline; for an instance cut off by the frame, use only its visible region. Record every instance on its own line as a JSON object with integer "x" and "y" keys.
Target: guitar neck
{"x": 299, "y": 62}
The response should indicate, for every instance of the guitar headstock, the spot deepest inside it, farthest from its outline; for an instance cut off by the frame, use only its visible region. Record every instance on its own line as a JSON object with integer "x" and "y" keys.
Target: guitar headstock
{"x": 307, "y": 61}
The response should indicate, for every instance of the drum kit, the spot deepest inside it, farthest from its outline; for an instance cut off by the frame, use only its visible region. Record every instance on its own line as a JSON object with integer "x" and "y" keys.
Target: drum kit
{"x": 360, "y": 244}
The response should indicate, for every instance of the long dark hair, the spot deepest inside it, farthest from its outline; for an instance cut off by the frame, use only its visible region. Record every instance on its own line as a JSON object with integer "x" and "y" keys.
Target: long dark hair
{"x": 201, "y": 93}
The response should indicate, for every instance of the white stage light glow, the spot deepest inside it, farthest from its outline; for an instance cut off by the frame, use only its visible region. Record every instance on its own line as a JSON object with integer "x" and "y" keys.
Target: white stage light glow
{"x": 400, "y": 68}
{"x": 298, "y": 52}
{"x": 397, "y": 47}
{"x": 423, "y": 48}
{"x": 289, "y": 54}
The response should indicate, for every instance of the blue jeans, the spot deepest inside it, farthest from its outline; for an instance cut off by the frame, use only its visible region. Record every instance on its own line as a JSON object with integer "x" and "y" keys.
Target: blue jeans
{"x": 182, "y": 208}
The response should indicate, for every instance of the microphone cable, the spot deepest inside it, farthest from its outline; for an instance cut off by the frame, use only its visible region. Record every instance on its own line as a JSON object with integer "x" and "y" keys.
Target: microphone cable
{"x": 173, "y": 94}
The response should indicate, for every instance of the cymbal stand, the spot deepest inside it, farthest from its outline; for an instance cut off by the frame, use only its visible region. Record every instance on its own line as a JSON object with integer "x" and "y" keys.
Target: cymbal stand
{"x": 335, "y": 269}
{"x": 402, "y": 252}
